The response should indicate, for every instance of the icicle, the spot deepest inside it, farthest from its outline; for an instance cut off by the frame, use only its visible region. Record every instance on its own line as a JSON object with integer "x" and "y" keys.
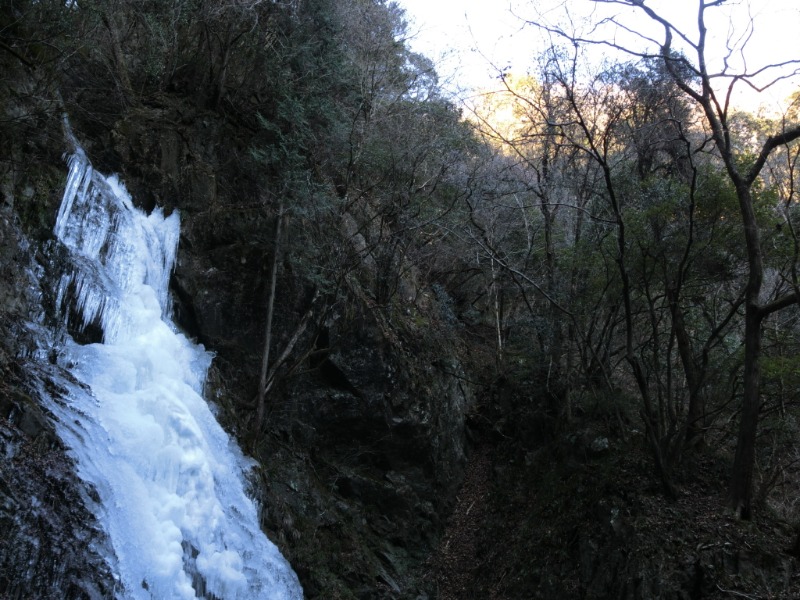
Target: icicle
{"x": 80, "y": 175}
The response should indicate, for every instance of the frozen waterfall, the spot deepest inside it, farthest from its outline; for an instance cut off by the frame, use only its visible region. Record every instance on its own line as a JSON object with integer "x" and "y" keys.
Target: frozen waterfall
{"x": 171, "y": 482}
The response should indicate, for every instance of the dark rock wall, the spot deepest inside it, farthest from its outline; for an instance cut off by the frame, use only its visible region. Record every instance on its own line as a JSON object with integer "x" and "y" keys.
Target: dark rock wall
{"x": 365, "y": 448}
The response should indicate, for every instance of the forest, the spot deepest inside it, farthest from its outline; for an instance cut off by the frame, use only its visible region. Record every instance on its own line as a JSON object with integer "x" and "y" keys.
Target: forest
{"x": 540, "y": 345}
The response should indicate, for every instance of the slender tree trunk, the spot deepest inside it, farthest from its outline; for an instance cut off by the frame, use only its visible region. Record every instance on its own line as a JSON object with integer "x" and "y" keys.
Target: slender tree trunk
{"x": 652, "y": 422}
{"x": 262, "y": 382}
{"x": 555, "y": 337}
{"x": 270, "y": 380}
{"x": 741, "y": 488}
{"x": 494, "y": 293}
{"x": 695, "y": 426}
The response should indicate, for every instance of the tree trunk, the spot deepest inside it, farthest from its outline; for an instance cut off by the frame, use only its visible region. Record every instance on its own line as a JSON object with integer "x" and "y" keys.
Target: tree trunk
{"x": 262, "y": 382}
{"x": 494, "y": 295}
{"x": 695, "y": 417}
{"x": 741, "y": 487}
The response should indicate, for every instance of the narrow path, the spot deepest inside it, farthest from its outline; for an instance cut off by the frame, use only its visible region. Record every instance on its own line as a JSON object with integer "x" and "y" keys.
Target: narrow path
{"x": 456, "y": 563}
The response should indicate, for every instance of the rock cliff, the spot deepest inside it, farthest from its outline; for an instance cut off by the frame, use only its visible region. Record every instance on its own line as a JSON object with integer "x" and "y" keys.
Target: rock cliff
{"x": 366, "y": 442}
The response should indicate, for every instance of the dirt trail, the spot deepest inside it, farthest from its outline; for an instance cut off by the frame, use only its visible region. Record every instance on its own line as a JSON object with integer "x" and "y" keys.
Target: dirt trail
{"x": 457, "y": 562}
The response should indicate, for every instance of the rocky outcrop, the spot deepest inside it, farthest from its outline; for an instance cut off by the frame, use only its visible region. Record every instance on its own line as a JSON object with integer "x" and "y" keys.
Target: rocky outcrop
{"x": 384, "y": 426}
{"x": 51, "y": 546}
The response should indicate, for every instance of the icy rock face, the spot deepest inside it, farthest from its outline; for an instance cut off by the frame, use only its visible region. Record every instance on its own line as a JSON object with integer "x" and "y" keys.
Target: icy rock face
{"x": 51, "y": 546}
{"x": 171, "y": 483}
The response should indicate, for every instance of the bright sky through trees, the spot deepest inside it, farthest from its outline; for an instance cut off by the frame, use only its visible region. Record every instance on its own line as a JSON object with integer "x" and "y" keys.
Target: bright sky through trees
{"x": 471, "y": 40}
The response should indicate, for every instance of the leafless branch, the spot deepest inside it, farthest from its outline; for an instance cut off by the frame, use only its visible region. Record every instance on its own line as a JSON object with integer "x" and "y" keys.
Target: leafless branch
{"x": 772, "y": 142}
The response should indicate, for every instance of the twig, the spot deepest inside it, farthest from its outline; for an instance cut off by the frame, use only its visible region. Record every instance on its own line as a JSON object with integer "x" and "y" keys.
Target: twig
{"x": 735, "y": 593}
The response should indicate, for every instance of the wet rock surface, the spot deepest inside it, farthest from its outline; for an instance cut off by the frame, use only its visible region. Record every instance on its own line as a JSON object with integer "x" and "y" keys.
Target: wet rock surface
{"x": 50, "y": 545}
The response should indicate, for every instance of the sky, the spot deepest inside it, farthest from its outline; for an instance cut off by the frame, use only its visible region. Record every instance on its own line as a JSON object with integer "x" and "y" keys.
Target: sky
{"x": 471, "y": 40}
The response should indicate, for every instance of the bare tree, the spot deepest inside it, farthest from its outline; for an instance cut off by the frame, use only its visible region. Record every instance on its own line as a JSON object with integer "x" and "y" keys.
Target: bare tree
{"x": 712, "y": 92}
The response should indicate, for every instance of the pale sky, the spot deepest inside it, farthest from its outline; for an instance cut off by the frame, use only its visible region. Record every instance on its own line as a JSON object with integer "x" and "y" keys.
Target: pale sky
{"x": 471, "y": 39}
